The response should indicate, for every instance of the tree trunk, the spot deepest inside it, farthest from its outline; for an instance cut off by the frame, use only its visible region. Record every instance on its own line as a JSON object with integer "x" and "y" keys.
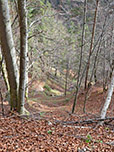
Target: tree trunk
{"x": 23, "y": 54}
{"x": 108, "y": 99}
{"x": 66, "y": 77}
{"x": 93, "y": 70}
{"x": 9, "y": 51}
{"x": 91, "y": 45}
{"x": 81, "y": 56}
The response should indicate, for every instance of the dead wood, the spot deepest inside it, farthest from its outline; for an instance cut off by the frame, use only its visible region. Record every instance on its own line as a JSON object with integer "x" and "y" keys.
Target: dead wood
{"x": 89, "y": 121}
{"x": 82, "y": 127}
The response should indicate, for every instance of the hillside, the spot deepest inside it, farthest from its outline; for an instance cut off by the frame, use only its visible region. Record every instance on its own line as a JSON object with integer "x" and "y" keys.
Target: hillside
{"x": 52, "y": 127}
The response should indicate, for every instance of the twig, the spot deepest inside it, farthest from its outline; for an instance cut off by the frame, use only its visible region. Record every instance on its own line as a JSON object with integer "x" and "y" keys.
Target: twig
{"x": 14, "y": 20}
{"x": 82, "y": 127}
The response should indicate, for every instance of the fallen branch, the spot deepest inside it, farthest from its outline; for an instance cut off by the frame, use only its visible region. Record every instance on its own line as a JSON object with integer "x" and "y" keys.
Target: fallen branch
{"x": 82, "y": 127}
{"x": 110, "y": 143}
{"x": 85, "y": 121}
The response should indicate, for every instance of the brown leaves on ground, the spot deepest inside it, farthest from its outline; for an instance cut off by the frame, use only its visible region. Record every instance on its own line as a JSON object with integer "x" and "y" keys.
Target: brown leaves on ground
{"x": 41, "y": 133}
{"x": 18, "y": 134}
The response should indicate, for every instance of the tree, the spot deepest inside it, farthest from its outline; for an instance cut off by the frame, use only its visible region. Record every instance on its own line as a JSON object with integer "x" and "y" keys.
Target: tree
{"x": 17, "y": 87}
{"x": 9, "y": 52}
{"x": 108, "y": 99}
{"x": 23, "y": 53}
{"x": 92, "y": 41}
{"x": 81, "y": 53}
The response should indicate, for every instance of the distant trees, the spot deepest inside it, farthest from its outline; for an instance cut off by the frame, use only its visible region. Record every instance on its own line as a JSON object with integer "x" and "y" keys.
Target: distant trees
{"x": 95, "y": 58}
{"x": 64, "y": 33}
{"x": 52, "y": 43}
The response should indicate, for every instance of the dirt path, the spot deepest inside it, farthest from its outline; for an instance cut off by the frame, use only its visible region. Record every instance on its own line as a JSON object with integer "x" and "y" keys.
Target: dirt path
{"x": 59, "y": 108}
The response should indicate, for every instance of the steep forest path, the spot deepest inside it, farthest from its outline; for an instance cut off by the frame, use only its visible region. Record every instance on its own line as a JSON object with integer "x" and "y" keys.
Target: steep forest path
{"x": 61, "y": 106}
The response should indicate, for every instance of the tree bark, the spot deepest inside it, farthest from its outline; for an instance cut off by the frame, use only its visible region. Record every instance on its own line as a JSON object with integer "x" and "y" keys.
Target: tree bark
{"x": 23, "y": 54}
{"x": 108, "y": 99}
{"x": 91, "y": 45}
{"x": 9, "y": 51}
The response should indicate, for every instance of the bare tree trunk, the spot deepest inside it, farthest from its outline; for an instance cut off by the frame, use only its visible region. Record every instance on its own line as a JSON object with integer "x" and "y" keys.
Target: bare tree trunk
{"x": 9, "y": 51}
{"x": 108, "y": 99}
{"x": 80, "y": 64}
{"x": 92, "y": 41}
{"x": 89, "y": 84}
{"x": 66, "y": 77}
{"x": 95, "y": 75}
{"x": 23, "y": 54}
{"x": 111, "y": 46}
{"x": 105, "y": 74}
{"x": 94, "y": 65}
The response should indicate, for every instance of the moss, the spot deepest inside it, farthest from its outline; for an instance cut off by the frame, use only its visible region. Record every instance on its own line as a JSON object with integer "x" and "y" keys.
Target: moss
{"x": 47, "y": 87}
{"x": 56, "y": 92}
{"x": 24, "y": 112}
{"x": 47, "y": 93}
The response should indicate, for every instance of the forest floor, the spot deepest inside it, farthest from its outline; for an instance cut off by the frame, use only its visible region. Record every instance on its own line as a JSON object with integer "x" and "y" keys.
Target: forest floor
{"x": 52, "y": 128}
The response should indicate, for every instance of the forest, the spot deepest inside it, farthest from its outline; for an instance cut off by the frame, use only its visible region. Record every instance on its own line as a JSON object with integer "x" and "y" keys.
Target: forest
{"x": 56, "y": 76}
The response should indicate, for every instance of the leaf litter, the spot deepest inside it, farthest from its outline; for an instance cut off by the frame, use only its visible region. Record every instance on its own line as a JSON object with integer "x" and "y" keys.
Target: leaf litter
{"x": 42, "y": 133}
